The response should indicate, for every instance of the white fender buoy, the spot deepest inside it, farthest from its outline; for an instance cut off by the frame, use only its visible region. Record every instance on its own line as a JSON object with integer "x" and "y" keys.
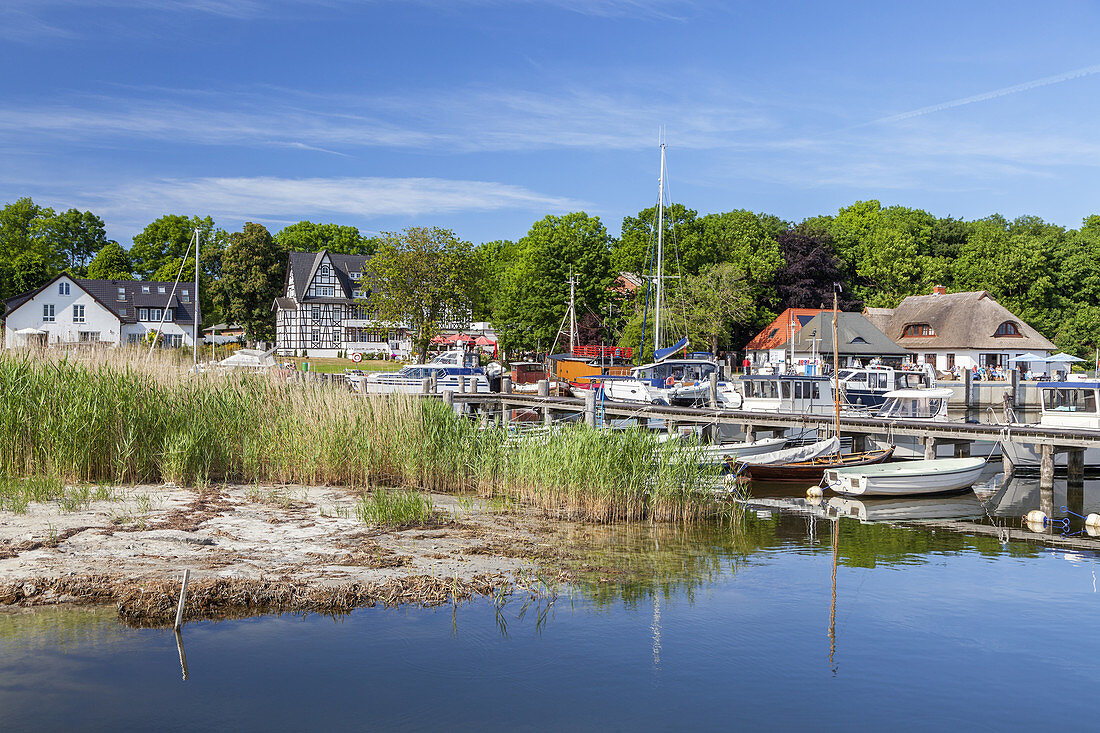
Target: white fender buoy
{"x": 1092, "y": 520}
{"x": 1037, "y": 527}
{"x": 1092, "y": 530}
{"x": 816, "y": 501}
{"x": 814, "y": 492}
{"x": 1037, "y": 516}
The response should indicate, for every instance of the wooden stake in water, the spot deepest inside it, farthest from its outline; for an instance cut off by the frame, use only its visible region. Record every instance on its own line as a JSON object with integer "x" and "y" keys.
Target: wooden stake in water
{"x": 183, "y": 599}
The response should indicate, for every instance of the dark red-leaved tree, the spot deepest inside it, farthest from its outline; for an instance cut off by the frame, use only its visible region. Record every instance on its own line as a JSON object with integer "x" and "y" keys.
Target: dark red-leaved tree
{"x": 811, "y": 269}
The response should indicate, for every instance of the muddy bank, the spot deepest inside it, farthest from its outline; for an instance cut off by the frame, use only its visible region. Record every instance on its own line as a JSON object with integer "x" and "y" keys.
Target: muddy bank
{"x": 278, "y": 548}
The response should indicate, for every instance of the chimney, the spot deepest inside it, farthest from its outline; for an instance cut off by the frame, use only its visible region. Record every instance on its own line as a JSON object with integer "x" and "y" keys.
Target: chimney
{"x": 939, "y": 290}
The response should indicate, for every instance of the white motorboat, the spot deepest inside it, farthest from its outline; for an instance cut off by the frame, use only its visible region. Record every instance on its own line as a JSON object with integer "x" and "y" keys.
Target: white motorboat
{"x": 670, "y": 382}
{"x": 451, "y": 370}
{"x": 923, "y": 404}
{"x": 909, "y": 478}
{"x": 1064, "y": 405}
{"x": 960, "y": 506}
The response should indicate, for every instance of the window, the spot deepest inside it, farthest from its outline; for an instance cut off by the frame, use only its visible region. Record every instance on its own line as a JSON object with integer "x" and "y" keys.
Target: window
{"x": 358, "y": 294}
{"x": 161, "y": 290}
{"x": 121, "y": 294}
{"x": 63, "y": 288}
{"x": 950, "y": 361}
{"x": 145, "y": 288}
{"x": 174, "y": 340}
{"x": 185, "y": 297}
{"x": 324, "y": 270}
{"x": 78, "y": 315}
{"x": 1069, "y": 400}
{"x": 859, "y": 340}
{"x": 169, "y": 313}
{"x": 316, "y": 312}
{"x": 356, "y": 276}
{"x": 89, "y": 336}
{"x": 930, "y": 360}
{"x": 155, "y": 314}
{"x": 918, "y": 329}
{"x": 143, "y": 314}
{"x": 316, "y": 336}
{"x": 131, "y": 338}
{"x": 1008, "y": 328}
{"x": 122, "y": 312}
{"x": 47, "y": 312}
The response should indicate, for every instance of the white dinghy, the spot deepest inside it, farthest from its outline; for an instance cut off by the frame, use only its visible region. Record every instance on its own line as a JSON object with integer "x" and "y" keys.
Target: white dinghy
{"x": 910, "y": 478}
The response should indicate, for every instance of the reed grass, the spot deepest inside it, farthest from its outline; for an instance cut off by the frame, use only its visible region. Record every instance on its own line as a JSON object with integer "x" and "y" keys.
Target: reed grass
{"x": 119, "y": 419}
{"x": 396, "y": 508}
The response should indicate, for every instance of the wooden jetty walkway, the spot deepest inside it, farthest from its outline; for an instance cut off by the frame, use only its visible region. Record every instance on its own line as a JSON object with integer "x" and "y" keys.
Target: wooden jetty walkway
{"x": 754, "y": 425}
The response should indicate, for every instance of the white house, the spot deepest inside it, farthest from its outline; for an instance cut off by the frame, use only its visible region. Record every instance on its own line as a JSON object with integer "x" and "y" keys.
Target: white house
{"x": 962, "y": 330}
{"x": 321, "y": 312}
{"x": 69, "y": 310}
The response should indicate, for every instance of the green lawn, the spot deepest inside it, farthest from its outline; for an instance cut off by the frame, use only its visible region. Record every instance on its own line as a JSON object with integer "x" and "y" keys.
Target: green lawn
{"x": 337, "y": 366}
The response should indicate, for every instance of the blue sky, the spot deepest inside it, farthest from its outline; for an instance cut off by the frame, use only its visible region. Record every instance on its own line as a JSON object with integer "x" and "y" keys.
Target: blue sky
{"x": 483, "y": 116}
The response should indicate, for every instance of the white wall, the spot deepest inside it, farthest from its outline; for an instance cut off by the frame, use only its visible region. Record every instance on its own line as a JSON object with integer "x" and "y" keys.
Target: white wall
{"x": 97, "y": 319}
{"x": 970, "y": 358}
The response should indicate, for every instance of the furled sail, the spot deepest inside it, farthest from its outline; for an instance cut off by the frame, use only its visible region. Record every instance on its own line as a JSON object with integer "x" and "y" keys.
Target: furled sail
{"x": 662, "y": 354}
{"x": 791, "y": 455}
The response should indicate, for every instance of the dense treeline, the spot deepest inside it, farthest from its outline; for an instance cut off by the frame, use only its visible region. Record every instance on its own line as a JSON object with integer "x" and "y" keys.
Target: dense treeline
{"x": 728, "y": 273}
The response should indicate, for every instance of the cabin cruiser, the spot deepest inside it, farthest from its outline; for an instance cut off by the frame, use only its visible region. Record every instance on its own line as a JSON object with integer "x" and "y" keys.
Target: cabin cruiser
{"x": 1064, "y": 405}
{"x": 922, "y": 404}
{"x": 451, "y": 370}
{"x": 867, "y": 386}
{"x": 671, "y": 382}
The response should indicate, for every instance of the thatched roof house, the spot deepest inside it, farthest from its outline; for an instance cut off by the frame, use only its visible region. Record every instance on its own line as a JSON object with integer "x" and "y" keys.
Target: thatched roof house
{"x": 958, "y": 329}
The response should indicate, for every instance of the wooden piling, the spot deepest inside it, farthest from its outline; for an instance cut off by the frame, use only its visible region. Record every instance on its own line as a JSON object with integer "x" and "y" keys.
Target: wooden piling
{"x": 449, "y": 398}
{"x": 590, "y": 408}
{"x": 929, "y": 448}
{"x": 183, "y": 599}
{"x": 1075, "y": 466}
{"x": 1046, "y": 467}
{"x": 713, "y": 389}
{"x": 544, "y": 391}
{"x": 968, "y": 388}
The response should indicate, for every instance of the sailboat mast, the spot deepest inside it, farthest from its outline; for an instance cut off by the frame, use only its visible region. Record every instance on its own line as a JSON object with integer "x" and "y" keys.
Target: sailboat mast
{"x": 572, "y": 313}
{"x": 836, "y": 371}
{"x": 660, "y": 250}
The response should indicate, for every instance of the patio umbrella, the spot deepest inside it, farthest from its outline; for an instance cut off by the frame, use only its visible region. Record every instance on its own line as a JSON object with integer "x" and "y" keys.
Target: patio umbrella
{"x": 29, "y": 332}
{"x": 1063, "y": 358}
{"x": 1026, "y": 358}
{"x": 484, "y": 341}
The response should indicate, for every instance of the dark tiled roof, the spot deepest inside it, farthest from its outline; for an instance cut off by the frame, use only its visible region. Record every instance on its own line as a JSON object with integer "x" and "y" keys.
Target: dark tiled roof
{"x": 105, "y": 292}
{"x": 286, "y": 304}
{"x": 855, "y": 335}
{"x": 304, "y": 265}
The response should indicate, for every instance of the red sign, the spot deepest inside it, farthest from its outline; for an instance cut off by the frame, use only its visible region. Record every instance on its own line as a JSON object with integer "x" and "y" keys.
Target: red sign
{"x": 356, "y": 357}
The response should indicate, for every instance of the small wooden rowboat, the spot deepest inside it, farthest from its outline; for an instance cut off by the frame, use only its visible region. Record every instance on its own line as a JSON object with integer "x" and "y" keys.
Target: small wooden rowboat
{"x": 810, "y": 470}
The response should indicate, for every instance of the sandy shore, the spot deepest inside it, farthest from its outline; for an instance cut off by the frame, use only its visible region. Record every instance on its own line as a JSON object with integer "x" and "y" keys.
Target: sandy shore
{"x": 281, "y": 546}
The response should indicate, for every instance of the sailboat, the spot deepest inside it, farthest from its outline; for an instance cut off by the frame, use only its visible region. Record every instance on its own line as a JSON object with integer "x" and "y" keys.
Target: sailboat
{"x": 668, "y": 381}
{"x": 810, "y": 462}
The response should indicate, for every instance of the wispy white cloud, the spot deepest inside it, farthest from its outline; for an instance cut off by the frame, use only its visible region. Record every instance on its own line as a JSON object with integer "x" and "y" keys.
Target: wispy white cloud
{"x": 467, "y": 120}
{"x": 275, "y": 199}
{"x": 1003, "y": 92}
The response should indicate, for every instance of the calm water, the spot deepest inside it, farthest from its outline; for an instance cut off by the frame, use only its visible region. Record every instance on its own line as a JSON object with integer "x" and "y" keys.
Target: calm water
{"x": 933, "y": 629}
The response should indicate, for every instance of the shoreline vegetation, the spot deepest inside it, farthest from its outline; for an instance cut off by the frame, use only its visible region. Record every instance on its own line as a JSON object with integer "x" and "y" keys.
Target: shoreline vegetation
{"x": 95, "y": 450}
{"x": 70, "y": 422}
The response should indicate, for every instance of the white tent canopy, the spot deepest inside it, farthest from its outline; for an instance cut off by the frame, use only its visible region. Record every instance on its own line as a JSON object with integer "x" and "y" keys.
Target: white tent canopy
{"x": 30, "y": 332}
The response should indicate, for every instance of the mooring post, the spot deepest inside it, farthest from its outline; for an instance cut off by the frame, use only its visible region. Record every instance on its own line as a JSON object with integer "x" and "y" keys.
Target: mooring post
{"x": 544, "y": 391}
{"x": 1017, "y": 396}
{"x": 962, "y": 449}
{"x": 435, "y": 381}
{"x": 1046, "y": 467}
{"x": 929, "y": 448}
{"x": 183, "y": 599}
{"x": 713, "y": 389}
{"x": 462, "y": 383}
{"x": 506, "y": 384}
{"x": 968, "y": 388}
{"x": 859, "y": 442}
{"x": 750, "y": 433}
{"x": 590, "y": 408}
{"x": 1075, "y": 466}
{"x": 449, "y": 398}
{"x": 426, "y": 385}
{"x": 505, "y": 389}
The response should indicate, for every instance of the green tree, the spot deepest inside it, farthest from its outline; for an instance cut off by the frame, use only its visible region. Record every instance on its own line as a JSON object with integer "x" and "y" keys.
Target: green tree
{"x": 168, "y": 238}
{"x": 535, "y": 287}
{"x": 305, "y": 236}
{"x": 111, "y": 263}
{"x": 1079, "y": 331}
{"x": 716, "y": 299}
{"x": 423, "y": 276}
{"x": 27, "y": 261}
{"x": 76, "y": 236}
{"x": 253, "y": 267}
{"x": 684, "y": 250}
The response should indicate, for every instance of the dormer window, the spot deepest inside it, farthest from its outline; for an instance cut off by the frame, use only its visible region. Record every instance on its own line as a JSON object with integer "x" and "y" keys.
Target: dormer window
{"x": 1008, "y": 328}
{"x": 918, "y": 329}
{"x": 161, "y": 290}
{"x": 145, "y": 288}
{"x": 356, "y": 275}
{"x": 122, "y": 293}
{"x": 185, "y": 297}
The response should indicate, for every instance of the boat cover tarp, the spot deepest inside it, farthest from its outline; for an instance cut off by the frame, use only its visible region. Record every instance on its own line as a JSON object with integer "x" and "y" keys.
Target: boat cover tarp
{"x": 790, "y": 455}
{"x": 662, "y": 354}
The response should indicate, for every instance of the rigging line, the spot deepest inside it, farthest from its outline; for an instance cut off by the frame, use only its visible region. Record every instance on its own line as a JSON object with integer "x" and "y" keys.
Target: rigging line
{"x": 676, "y": 249}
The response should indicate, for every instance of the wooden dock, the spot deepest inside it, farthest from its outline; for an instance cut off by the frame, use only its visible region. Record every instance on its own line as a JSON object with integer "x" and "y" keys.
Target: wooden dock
{"x": 759, "y": 424}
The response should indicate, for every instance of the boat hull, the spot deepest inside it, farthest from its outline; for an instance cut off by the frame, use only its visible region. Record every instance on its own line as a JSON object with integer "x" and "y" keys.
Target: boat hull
{"x": 911, "y": 478}
{"x": 812, "y": 470}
